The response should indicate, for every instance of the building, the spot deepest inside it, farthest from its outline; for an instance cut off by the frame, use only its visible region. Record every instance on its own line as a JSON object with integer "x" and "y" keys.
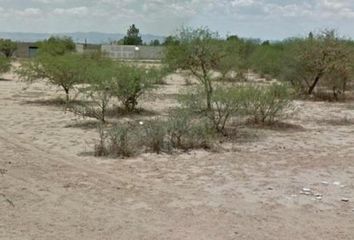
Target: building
{"x": 26, "y": 50}
{"x": 122, "y": 52}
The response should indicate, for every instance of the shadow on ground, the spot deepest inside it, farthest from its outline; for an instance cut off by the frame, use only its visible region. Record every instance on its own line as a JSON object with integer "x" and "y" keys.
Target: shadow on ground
{"x": 84, "y": 124}
{"x": 5, "y": 80}
{"x": 56, "y": 102}
{"x": 278, "y": 126}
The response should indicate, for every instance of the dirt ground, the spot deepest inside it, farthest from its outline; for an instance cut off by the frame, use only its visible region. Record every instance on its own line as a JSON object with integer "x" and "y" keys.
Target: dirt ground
{"x": 52, "y": 188}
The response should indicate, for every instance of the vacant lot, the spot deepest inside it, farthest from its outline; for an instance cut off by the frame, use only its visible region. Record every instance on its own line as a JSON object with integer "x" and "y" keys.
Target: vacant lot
{"x": 51, "y": 187}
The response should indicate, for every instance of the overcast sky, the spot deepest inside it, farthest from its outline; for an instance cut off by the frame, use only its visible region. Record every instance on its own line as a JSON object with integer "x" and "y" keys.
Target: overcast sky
{"x": 266, "y": 19}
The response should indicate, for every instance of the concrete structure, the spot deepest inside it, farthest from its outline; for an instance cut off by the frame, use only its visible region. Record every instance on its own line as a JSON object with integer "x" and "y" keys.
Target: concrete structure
{"x": 80, "y": 48}
{"x": 30, "y": 49}
{"x": 133, "y": 52}
{"x": 87, "y": 48}
{"x": 123, "y": 52}
{"x": 26, "y": 50}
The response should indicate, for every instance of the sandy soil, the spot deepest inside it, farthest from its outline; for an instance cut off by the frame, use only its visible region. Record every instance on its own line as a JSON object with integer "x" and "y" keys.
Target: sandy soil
{"x": 51, "y": 189}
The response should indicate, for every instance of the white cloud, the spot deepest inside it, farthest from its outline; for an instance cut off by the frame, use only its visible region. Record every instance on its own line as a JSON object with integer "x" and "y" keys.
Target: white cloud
{"x": 30, "y": 12}
{"x": 336, "y": 9}
{"x": 76, "y": 11}
{"x": 242, "y": 3}
{"x": 163, "y": 16}
{"x": 49, "y": 1}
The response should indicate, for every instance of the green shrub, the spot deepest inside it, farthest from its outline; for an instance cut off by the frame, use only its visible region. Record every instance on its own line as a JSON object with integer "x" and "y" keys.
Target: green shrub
{"x": 234, "y": 64}
{"x": 97, "y": 95}
{"x": 157, "y": 75}
{"x": 117, "y": 141}
{"x": 267, "y": 60}
{"x": 200, "y": 135}
{"x": 5, "y": 65}
{"x": 178, "y": 127}
{"x": 64, "y": 71}
{"x": 56, "y": 46}
{"x": 154, "y": 135}
{"x": 100, "y": 147}
{"x": 226, "y": 102}
{"x": 179, "y": 132}
{"x": 186, "y": 130}
{"x": 122, "y": 141}
{"x": 94, "y": 105}
{"x": 129, "y": 83}
{"x": 7, "y": 47}
{"x": 266, "y": 103}
{"x": 193, "y": 100}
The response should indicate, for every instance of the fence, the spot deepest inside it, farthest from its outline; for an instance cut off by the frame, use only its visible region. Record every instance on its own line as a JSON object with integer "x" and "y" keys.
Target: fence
{"x": 27, "y": 50}
{"x": 133, "y": 52}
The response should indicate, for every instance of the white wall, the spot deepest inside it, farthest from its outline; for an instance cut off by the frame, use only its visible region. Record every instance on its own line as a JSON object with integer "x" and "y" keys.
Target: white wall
{"x": 133, "y": 52}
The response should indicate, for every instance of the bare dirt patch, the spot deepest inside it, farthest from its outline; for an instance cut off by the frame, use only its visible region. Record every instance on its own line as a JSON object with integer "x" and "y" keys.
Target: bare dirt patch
{"x": 296, "y": 184}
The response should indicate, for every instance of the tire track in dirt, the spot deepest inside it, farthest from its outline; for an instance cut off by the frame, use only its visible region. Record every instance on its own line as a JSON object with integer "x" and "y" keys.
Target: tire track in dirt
{"x": 50, "y": 159}
{"x": 68, "y": 193}
{"x": 59, "y": 195}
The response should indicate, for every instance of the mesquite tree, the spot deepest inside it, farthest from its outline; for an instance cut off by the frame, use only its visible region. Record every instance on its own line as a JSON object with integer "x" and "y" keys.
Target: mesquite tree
{"x": 64, "y": 71}
{"x": 129, "y": 83}
{"x": 321, "y": 59}
{"x": 200, "y": 52}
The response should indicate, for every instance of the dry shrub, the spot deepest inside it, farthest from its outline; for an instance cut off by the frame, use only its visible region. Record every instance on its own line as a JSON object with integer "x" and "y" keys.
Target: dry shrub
{"x": 266, "y": 104}
{"x": 157, "y": 136}
{"x": 154, "y": 137}
{"x": 118, "y": 141}
{"x": 186, "y": 131}
{"x": 100, "y": 147}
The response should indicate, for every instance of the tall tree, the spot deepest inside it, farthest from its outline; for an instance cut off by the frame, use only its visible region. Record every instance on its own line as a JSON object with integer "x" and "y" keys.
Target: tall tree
{"x": 170, "y": 40}
{"x": 198, "y": 51}
{"x": 323, "y": 58}
{"x": 155, "y": 42}
{"x": 133, "y": 37}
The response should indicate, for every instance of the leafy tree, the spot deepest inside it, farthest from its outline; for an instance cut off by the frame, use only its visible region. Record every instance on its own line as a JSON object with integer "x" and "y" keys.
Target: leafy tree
{"x": 266, "y": 43}
{"x": 129, "y": 83}
{"x": 170, "y": 40}
{"x": 133, "y": 37}
{"x": 267, "y": 59}
{"x": 7, "y": 47}
{"x": 56, "y": 46}
{"x": 64, "y": 71}
{"x": 98, "y": 75}
{"x": 199, "y": 51}
{"x": 232, "y": 38}
{"x": 321, "y": 59}
{"x": 310, "y": 36}
{"x": 236, "y": 57}
{"x": 155, "y": 42}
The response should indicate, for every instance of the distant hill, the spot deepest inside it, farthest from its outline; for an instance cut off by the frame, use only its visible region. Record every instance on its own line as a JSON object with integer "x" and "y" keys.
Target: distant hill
{"x": 78, "y": 37}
